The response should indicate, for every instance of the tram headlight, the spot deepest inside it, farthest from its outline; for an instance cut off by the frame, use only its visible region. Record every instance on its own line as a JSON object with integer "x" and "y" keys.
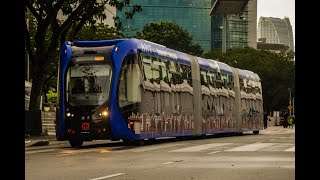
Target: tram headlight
{"x": 69, "y": 114}
{"x": 104, "y": 113}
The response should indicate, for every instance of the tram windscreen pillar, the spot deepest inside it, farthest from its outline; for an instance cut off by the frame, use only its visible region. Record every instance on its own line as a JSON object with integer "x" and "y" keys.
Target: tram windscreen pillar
{"x": 197, "y": 96}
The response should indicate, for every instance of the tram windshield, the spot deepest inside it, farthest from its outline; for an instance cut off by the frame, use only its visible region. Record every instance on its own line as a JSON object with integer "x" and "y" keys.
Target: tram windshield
{"x": 88, "y": 84}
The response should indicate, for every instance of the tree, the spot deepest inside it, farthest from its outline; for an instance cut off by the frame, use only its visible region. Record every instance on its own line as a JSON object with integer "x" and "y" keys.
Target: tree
{"x": 50, "y": 32}
{"x": 170, "y": 35}
{"x": 98, "y": 32}
{"x": 276, "y": 71}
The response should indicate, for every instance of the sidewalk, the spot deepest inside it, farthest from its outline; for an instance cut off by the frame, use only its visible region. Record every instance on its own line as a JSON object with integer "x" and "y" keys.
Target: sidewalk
{"x": 40, "y": 140}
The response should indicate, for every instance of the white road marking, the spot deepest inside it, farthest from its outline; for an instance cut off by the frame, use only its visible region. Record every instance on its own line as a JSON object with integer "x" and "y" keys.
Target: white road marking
{"x": 200, "y": 147}
{"x": 167, "y": 163}
{"x": 251, "y": 147}
{"x": 106, "y": 177}
{"x": 291, "y": 149}
{"x": 154, "y": 147}
{"x": 214, "y": 152}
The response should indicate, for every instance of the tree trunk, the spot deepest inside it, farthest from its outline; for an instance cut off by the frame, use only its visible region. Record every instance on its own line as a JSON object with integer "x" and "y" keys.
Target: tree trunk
{"x": 35, "y": 93}
{"x": 38, "y": 74}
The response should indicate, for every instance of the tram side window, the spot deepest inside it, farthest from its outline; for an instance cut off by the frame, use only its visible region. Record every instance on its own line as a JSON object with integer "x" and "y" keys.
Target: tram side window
{"x": 155, "y": 66}
{"x": 186, "y": 73}
{"x": 168, "y": 66}
{"x": 129, "y": 83}
{"x": 203, "y": 77}
{"x": 147, "y": 68}
{"x": 163, "y": 72}
{"x": 231, "y": 79}
{"x": 241, "y": 81}
{"x": 210, "y": 78}
{"x": 174, "y": 73}
{"x": 230, "y": 82}
{"x": 218, "y": 80}
{"x": 224, "y": 80}
{"x": 245, "y": 83}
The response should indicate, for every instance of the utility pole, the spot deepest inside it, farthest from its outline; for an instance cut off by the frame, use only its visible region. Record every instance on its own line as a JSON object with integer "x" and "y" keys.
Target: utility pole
{"x": 289, "y": 101}
{"x": 292, "y": 105}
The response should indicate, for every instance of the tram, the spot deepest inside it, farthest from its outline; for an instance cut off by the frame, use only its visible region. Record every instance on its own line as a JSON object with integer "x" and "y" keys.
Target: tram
{"x": 136, "y": 90}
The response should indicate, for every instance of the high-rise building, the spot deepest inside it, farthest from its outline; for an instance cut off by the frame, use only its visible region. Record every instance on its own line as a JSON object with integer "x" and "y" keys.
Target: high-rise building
{"x": 276, "y": 31}
{"x": 241, "y": 29}
{"x": 193, "y": 15}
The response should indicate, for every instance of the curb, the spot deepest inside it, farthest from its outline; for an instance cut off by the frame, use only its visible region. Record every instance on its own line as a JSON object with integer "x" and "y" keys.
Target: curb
{"x": 38, "y": 142}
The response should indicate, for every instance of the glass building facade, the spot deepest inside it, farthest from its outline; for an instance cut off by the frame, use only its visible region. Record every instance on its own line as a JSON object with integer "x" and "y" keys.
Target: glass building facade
{"x": 192, "y": 15}
{"x": 241, "y": 29}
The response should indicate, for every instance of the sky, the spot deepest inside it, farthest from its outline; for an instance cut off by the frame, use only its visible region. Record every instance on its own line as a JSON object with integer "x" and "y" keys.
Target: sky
{"x": 279, "y": 9}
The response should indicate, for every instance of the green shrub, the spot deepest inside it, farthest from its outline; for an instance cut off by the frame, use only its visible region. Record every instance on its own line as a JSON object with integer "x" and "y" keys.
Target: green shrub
{"x": 52, "y": 97}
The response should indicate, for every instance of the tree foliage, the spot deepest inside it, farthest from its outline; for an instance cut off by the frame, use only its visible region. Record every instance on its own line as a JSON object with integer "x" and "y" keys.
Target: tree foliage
{"x": 276, "y": 71}
{"x": 170, "y": 35}
{"x": 50, "y": 31}
{"x": 98, "y": 32}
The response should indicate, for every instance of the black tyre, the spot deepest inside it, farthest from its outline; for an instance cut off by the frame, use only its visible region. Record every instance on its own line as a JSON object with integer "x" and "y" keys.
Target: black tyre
{"x": 239, "y": 133}
{"x": 255, "y": 132}
{"x": 76, "y": 142}
{"x": 151, "y": 141}
{"x": 127, "y": 142}
{"x": 139, "y": 142}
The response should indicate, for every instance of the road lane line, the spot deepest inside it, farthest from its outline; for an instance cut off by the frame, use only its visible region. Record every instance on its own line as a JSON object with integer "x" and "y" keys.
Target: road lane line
{"x": 156, "y": 147}
{"x": 214, "y": 152}
{"x": 106, "y": 177}
{"x": 291, "y": 149}
{"x": 251, "y": 147}
{"x": 168, "y": 162}
{"x": 200, "y": 147}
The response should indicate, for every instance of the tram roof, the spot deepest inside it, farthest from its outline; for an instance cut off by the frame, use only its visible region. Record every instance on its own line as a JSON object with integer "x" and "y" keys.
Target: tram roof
{"x": 208, "y": 64}
{"x": 144, "y": 46}
{"x": 158, "y": 50}
{"x": 97, "y": 43}
{"x": 246, "y": 74}
{"x": 225, "y": 68}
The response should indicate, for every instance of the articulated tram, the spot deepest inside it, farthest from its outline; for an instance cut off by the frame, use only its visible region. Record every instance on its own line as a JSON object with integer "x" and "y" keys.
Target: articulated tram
{"x": 135, "y": 90}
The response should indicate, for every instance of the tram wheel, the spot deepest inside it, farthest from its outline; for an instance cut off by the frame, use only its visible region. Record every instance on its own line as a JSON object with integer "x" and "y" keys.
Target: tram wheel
{"x": 76, "y": 142}
{"x": 127, "y": 142}
{"x": 203, "y": 136}
{"x": 140, "y": 142}
{"x": 151, "y": 141}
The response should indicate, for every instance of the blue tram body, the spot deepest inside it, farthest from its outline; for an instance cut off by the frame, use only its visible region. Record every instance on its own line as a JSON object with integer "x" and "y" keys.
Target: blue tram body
{"x": 134, "y": 89}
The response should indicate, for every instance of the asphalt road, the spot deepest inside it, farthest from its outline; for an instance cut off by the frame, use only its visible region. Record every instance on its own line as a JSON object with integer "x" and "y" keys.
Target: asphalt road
{"x": 266, "y": 156}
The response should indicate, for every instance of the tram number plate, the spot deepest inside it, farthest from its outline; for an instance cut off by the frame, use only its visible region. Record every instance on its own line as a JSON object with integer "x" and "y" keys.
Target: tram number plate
{"x": 85, "y": 126}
